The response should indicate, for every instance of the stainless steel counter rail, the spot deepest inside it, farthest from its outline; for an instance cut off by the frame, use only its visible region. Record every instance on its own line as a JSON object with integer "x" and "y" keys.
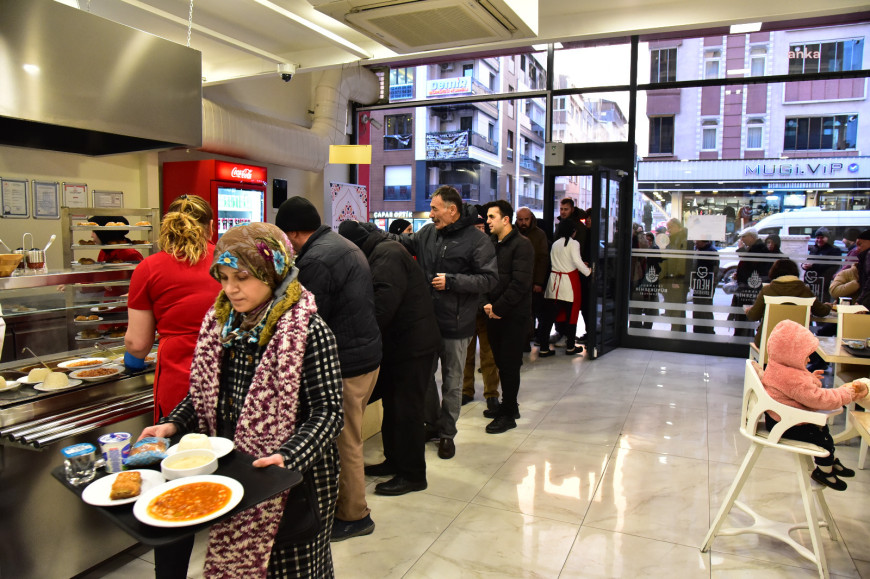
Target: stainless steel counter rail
{"x": 131, "y": 412}
{"x": 23, "y": 428}
{"x": 38, "y": 433}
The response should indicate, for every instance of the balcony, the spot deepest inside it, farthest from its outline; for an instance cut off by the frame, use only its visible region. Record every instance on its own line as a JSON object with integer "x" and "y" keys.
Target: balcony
{"x": 397, "y": 142}
{"x": 531, "y": 202}
{"x": 453, "y": 145}
{"x": 531, "y": 164}
{"x": 537, "y": 129}
{"x": 469, "y": 191}
{"x": 397, "y": 192}
{"x": 400, "y": 92}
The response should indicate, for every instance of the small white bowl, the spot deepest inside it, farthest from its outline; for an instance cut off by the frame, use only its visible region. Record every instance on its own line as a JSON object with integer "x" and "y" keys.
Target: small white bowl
{"x": 207, "y": 463}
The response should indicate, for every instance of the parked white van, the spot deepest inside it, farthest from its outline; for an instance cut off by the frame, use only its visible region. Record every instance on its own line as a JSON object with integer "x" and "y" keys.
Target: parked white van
{"x": 801, "y": 222}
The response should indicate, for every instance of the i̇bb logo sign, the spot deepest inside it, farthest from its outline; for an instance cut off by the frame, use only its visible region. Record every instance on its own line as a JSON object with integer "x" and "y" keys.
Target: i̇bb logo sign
{"x": 233, "y": 172}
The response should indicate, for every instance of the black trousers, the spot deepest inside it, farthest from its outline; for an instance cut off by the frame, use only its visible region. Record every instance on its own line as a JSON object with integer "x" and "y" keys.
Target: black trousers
{"x": 811, "y": 433}
{"x": 401, "y": 385}
{"x": 551, "y": 311}
{"x": 506, "y": 338}
{"x": 702, "y": 316}
{"x": 171, "y": 560}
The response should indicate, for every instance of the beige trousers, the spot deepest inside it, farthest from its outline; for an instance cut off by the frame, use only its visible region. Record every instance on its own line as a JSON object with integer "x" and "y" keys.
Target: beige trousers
{"x": 352, "y": 504}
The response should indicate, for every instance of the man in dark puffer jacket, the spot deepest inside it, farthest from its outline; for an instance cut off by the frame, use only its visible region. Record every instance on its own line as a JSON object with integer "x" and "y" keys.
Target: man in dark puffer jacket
{"x": 509, "y": 309}
{"x": 336, "y": 272}
{"x": 410, "y": 334}
{"x": 459, "y": 262}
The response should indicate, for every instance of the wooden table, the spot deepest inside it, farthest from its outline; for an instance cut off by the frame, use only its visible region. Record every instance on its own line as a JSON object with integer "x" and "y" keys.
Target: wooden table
{"x": 861, "y": 421}
{"x": 847, "y": 369}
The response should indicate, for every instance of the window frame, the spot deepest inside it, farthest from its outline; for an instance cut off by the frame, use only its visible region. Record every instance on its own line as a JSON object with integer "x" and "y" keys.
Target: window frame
{"x": 658, "y": 122}
{"x": 670, "y": 72}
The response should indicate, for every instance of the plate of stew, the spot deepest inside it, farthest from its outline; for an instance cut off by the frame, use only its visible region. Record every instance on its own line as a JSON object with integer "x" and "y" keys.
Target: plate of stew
{"x": 188, "y": 501}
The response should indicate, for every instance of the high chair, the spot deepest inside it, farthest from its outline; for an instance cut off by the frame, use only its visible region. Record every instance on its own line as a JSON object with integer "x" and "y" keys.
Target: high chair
{"x": 777, "y": 309}
{"x": 755, "y": 402}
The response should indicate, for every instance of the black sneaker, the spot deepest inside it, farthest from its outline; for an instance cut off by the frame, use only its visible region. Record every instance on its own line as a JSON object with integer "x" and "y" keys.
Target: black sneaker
{"x": 841, "y": 470}
{"x": 501, "y": 424}
{"x": 342, "y": 530}
{"x": 493, "y": 412}
{"x": 492, "y": 403}
{"x": 574, "y": 350}
{"x": 466, "y": 399}
{"x": 546, "y": 353}
{"x": 830, "y": 480}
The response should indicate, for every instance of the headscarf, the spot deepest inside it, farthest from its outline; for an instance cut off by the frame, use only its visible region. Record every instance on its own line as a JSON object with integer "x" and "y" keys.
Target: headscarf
{"x": 262, "y": 250}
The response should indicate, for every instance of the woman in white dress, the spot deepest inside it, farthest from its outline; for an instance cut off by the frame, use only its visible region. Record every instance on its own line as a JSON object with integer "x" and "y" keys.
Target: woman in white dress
{"x": 562, "y": 296}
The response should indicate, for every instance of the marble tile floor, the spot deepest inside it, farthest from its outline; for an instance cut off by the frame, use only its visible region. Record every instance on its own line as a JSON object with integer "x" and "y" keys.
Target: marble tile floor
{"x": 614, "y": 470}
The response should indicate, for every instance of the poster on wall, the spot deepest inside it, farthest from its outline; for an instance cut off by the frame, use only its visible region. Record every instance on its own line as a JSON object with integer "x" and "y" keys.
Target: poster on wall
{"x": 46, "y": 204}
{"x": 349, "y": 201}
{"x": 75, "y": 195}
{"x": 13, "y": 198}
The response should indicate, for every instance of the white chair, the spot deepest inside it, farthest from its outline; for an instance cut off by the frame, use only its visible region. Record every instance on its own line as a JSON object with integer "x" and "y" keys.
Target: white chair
{"x": 755, "y": 402}
{"x": 777, "y": 309}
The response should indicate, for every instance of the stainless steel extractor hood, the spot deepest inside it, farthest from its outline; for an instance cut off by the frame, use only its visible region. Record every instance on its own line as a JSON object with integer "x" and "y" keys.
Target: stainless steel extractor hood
{"x": 72, "y": 81}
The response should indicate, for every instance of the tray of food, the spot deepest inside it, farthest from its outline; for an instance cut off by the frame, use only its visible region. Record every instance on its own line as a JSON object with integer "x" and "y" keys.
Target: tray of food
{"x": 188, "y": 501}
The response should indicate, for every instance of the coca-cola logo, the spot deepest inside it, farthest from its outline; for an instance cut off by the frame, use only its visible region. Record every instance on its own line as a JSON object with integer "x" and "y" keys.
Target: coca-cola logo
{"x": 242, "y": 173}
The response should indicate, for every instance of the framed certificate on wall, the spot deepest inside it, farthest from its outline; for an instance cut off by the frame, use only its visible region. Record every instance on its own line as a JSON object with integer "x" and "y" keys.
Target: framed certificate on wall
{"x": 46, "y": 202}
{"x": 75, "y": 195}
{"x": 13, "y": 198}
{"x": 109, "y": 199}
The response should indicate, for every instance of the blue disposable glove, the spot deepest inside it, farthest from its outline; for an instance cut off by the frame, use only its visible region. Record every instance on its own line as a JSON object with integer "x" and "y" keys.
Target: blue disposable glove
{"x": 132, "y": 363}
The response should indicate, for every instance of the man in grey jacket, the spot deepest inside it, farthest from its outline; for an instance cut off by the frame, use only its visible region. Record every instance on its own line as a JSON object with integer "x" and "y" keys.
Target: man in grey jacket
{"x": 459, "y": 262}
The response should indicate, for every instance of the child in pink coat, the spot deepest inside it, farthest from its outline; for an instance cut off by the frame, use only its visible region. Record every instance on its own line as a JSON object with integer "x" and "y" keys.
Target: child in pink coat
{"x": 788, "y": 381}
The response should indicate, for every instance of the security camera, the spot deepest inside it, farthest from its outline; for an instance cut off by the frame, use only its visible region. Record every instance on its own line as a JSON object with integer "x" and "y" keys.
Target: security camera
{"x": 286, "y": 70}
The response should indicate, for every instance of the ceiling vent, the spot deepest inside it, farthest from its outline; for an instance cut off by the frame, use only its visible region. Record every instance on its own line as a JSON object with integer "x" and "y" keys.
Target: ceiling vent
{"x": 417, "y": 25}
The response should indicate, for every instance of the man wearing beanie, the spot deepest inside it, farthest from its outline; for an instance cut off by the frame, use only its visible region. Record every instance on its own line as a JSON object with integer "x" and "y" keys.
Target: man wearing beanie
{"x": 336, "y": 272}
{"x": 410, "y": 335}
{"x": 459, "y": 264}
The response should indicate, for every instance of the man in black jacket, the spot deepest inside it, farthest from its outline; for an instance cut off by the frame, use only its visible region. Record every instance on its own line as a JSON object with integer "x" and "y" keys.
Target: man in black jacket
{"x": 459, "y": 263}
{"x": 528, "y": 226}
{"x": 336, "y": 272}
{"x": 509, "y": 309}
{"x": 410, "y": 334}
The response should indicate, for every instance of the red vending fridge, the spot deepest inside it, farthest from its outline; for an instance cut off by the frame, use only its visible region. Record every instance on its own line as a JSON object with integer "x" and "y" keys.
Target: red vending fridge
{"x": 236, "y": 192}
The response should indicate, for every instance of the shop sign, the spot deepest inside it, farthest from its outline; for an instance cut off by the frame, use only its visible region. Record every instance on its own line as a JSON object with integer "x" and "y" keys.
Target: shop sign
{"x": 392, "y": 215}
{"x": 237, "y": 172}
{"x": 443, "y": 87}
{"x": 787, "y": 169}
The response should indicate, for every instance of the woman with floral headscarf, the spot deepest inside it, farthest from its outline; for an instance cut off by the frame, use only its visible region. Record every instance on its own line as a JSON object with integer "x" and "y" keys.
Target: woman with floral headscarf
{"x": 265, "y": 373}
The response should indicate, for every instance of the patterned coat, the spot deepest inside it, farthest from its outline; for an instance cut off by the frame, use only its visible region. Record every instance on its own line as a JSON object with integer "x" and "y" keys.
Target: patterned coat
{"x": 310, "y": 447}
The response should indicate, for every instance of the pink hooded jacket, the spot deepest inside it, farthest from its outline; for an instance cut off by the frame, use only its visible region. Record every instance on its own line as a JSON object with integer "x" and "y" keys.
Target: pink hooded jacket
{"x": 786, "y": 377}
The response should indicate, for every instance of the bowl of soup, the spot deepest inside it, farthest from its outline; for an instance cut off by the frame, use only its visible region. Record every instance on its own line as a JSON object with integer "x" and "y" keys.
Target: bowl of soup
{"x": 189, "y": 463}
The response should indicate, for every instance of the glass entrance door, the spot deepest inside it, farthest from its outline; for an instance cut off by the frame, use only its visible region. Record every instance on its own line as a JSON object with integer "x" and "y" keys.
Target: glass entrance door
{"x": 602, "y": 308}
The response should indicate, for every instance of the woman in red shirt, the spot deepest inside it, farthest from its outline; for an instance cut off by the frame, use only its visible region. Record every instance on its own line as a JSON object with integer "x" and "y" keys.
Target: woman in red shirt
{"x": 170, "y": 292}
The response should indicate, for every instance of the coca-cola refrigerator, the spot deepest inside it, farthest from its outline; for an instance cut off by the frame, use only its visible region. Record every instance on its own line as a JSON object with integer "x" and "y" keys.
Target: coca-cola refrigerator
{"x": 236, "y": 192}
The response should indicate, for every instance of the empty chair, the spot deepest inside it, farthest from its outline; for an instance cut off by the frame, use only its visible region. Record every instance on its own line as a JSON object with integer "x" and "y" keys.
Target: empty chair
{"x": 777, "y": 309}
{"x": 756, "y": 402}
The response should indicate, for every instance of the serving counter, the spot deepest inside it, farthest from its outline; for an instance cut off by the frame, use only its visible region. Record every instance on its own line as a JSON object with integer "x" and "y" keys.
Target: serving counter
{"x": 48, "y": 532}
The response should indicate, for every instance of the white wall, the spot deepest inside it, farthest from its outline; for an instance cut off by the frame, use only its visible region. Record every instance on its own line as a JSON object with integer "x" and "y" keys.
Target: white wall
{"x": 135, "y": 174}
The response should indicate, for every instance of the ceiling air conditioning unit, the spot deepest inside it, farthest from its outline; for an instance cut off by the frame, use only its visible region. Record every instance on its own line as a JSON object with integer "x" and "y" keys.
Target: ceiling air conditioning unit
{"x": 446, "y": 66}
{"x": 416, "y": 25}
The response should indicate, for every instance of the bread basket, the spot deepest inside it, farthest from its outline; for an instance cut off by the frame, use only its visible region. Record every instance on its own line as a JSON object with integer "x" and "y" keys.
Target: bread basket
{"x": 8, "y": 263}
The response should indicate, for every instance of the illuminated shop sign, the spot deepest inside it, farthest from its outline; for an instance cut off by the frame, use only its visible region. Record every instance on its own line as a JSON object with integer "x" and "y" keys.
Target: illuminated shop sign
{"x": 237, "y": 172}
{"x": 448, "y": 87}
{"x": 806, "y": 169}
{"x": 392, "y": 215}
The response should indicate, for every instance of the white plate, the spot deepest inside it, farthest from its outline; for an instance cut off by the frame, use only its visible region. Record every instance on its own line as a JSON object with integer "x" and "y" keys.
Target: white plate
{"x": 11, "y": 385}
{"x": 88, "y": 321}
{"x": 107, "y": 309}
{"x": 97, "y": 493}
{"x": 151, "y": 358}
{"x": 115, "y": 371}
{"x": 220, "y": 446}
{"x": 72, "y": 382}
{"x": 68, "y": 365}
{"x": 140, "y": 508}
{"x": 79, "y": 337}
{"x": 24, "y": 380}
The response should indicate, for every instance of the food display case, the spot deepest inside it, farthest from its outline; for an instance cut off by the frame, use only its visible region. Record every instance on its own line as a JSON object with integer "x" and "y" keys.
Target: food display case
{"x": 35, "y": 423}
